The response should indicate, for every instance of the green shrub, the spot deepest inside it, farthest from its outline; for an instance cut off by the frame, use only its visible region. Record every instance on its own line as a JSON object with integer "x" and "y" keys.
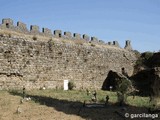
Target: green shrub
{"x": 147, "y": 55}
{"x": 124, "y": 87}
{"x": 71, "y": 85}
{"x": 137, "y": 53}
{"x": 143, "y": 59}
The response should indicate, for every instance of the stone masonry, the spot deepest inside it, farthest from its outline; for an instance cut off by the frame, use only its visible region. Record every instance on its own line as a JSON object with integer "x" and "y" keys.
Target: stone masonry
{"x": 38, "y": 63}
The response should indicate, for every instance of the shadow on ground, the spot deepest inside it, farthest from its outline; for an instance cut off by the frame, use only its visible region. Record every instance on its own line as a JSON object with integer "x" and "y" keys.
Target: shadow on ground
{"x": 110, "y": 112}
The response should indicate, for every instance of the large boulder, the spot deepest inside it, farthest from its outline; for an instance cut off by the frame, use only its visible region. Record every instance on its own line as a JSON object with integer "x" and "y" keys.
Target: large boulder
{"x": 155, "y": 84}
{"x": 155, "y": 90}
{"x": 111, "y": 80}
{"x": 142, "y": 81}
{"x": 154, "y": 61}
{"x": 144, "y": 73}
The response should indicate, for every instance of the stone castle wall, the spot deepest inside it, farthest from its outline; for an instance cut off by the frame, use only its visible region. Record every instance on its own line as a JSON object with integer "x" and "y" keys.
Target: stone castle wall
{"x": 38, "y": 63}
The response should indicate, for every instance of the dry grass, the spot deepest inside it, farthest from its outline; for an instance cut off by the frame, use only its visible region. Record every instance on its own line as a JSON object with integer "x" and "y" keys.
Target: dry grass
{"x": 63, "y": 105}
{"x": 22, "y": 35}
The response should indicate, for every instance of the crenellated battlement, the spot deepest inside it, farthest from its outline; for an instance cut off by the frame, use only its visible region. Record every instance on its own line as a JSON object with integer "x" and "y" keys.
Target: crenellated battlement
{"x": 8, "y": 24}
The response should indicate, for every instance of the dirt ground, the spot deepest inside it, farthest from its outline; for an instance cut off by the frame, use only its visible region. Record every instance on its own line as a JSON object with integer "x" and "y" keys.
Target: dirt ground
{"x": 11, "y": 108}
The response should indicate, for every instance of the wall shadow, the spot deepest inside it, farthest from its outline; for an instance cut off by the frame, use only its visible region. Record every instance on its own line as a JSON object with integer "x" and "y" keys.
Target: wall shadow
{"x": 110, "y": 112}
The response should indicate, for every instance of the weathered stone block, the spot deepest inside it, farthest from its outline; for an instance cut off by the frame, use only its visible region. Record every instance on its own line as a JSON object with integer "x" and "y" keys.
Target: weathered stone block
{"x": 109, "y": 43}
{"x": 7, "y": 22}
{"x": 34, "y": 29}
{"x": 58, "y": 33}
{"x": 115, "y": 43}
{"x": 128, "y": 45}
{"x": 46, "y": 31}
{"x": 22, "y": 26}
{"x": 86, "y": 37}
{"x": 101, "y": 41}
{"x": 94, "y": 39}
{"x": 68, "y": 34}
{"x": 155, "y": 89}
{"x": 77, "y": 36}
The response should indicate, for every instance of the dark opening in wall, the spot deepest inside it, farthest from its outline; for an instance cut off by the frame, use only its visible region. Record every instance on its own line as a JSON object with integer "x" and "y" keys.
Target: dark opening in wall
{"x": 7, "y": 25}
{"x": 60, "y": 34}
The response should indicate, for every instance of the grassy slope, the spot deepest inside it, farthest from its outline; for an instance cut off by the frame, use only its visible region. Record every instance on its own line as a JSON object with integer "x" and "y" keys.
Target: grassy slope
{"x": 62, "y": 105}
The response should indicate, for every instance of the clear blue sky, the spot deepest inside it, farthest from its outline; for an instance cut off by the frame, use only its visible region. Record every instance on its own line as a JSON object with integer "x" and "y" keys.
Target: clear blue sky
{"x": 108, "y": 20}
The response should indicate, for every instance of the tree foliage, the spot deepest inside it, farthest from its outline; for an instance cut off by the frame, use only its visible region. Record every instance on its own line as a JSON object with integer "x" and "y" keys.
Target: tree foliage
{"x": 124, "y": 87}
